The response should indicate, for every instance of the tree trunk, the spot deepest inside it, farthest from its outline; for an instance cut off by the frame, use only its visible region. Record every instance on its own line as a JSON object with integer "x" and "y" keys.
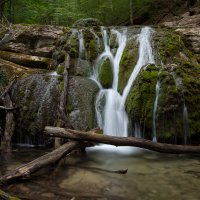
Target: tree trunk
{"x": 6, "y": 196}
{"x": 10, "y": 125}
{"x": 121, "y": 141}
{"x": 39, "y": 163}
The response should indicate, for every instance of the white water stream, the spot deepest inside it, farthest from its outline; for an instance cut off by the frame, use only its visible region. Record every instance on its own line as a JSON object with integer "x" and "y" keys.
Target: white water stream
{"x": 185, "y": 124}
{"x": 110, "y": 105}
{"x": 155, "y": 110}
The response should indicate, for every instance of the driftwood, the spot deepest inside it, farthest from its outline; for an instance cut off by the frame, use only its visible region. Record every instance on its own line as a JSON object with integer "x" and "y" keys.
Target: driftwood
{"x": 26, "y": 60}
{"x": 121, "y": 141}
{"x": 39, "y": 163}
{"x": 6, "y": 196}
{"x": 7, "y": 109}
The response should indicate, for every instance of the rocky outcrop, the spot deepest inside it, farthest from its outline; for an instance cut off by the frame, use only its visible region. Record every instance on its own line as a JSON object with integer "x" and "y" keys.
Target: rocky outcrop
{"x": 177, "y": 68}
{"x": 37, "y": 40}
{"x": 81, "y": 103}
{"x": 188, "y": 26}
{"x": 192, "y": 37}
{"x": 37, "y": 99}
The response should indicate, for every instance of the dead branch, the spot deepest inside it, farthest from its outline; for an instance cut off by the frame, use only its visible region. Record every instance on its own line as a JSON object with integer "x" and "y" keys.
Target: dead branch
{"x": 121, "y": 141}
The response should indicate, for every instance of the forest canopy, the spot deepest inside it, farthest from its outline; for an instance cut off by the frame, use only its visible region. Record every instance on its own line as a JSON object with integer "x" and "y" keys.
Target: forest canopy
{"x": 110, "y": 12}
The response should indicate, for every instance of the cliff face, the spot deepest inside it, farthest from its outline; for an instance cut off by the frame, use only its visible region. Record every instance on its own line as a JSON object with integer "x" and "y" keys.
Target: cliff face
{"x": 30, "y": 51}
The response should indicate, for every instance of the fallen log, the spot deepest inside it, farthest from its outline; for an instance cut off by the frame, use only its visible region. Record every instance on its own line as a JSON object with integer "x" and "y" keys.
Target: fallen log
{"x": 26, "y": 60}
{"x": 121, "y": 141}
{"x": 6, "y": 196}
{"x": 7, "y": 109}
{"x": 39, "y": 163}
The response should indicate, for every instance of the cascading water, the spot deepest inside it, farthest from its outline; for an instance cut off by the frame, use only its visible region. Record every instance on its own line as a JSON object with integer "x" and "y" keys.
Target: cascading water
{"x": 145, "y": 57}
{"x": 185, "y": 124}
{"x": 81, "y": 44}
{"x": 155, "y": 110}
{"x": 110, "y": 105}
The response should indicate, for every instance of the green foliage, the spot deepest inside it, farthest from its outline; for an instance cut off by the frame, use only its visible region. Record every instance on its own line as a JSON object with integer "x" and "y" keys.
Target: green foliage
{"x": 66, "y": 12}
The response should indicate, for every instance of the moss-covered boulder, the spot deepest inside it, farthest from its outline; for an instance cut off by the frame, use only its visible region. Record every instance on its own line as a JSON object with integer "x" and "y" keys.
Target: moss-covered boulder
{"x": 179, "y": 76}
{"x": 140, "y": 101}
{"x": 128, "y": 61}
{"x": 80, "y": 103}
{"x": 37, "y": 99}
{"x": 106, "y": 74}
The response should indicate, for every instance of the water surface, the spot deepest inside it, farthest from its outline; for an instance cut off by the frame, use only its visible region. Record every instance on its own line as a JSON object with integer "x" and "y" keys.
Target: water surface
{"x": 151, "y": 176}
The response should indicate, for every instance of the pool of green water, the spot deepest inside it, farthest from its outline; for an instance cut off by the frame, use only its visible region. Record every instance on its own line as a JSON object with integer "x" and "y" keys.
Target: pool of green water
{"x": 150, "y": 176}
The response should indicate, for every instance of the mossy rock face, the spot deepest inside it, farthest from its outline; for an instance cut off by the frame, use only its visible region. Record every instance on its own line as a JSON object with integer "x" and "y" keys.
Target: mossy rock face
{"x": 140, "y": 101}
{"x": 80, "y": 67}
{"x": 170, "y": 48}
{"x": 37, "y": 98}
{"x": 80, "y": 103}
{"x": 179, "y": 85}
{"x": 106, "y": 74}
{"x": 128, "y": 62}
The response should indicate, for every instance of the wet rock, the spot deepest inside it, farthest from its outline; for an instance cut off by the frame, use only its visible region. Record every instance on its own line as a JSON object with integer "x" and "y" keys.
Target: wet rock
{"x": 80, "y": 105}
{"x": 37, "y": 98}
{"x": 36, "y": 40}
{"x": 192, "y": 36}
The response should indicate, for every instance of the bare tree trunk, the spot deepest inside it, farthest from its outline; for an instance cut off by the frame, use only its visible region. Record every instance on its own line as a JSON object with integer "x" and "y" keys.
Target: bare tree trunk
{"x": 121, "y": 141}
{"x": 6, "y": 196}
{"x": 10, "y": 125}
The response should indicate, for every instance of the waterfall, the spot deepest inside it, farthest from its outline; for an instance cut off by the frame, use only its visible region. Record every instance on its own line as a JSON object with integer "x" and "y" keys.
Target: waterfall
{"x": 81, "y": 45}
{"x": 185, "y": 124}
{"x": 155, "y": 110}
{"x": 145, "y": 57}
{"x": 110, "y": 105}
{"x": 79, "y": 34}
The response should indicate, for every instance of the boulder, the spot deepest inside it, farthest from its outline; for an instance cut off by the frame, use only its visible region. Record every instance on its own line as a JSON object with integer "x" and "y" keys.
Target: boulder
{"x": 81, "y": 101}
{"x": 37, "y": 99}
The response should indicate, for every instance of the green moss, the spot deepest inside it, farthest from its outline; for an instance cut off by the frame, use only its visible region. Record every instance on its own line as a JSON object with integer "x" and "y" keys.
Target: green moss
{"x": 73, "y": 52}
{"x": 69, "y": 105}
{"x": 170, "y": 46}
{"x": 140, "y": 101}
{"x": 60, "y": 69}
{"x": 6, "y": 196}
{"x": 92, "y": 50}
{"x": 127, "y": 63}
{"x": 3, "y": 79}
{"x": 105, "y": 74}
{"x": 61, "y": 85}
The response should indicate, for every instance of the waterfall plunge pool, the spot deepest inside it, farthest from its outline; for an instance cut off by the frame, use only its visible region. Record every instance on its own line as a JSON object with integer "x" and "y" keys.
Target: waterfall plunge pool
{"x": 150, "y": 175}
